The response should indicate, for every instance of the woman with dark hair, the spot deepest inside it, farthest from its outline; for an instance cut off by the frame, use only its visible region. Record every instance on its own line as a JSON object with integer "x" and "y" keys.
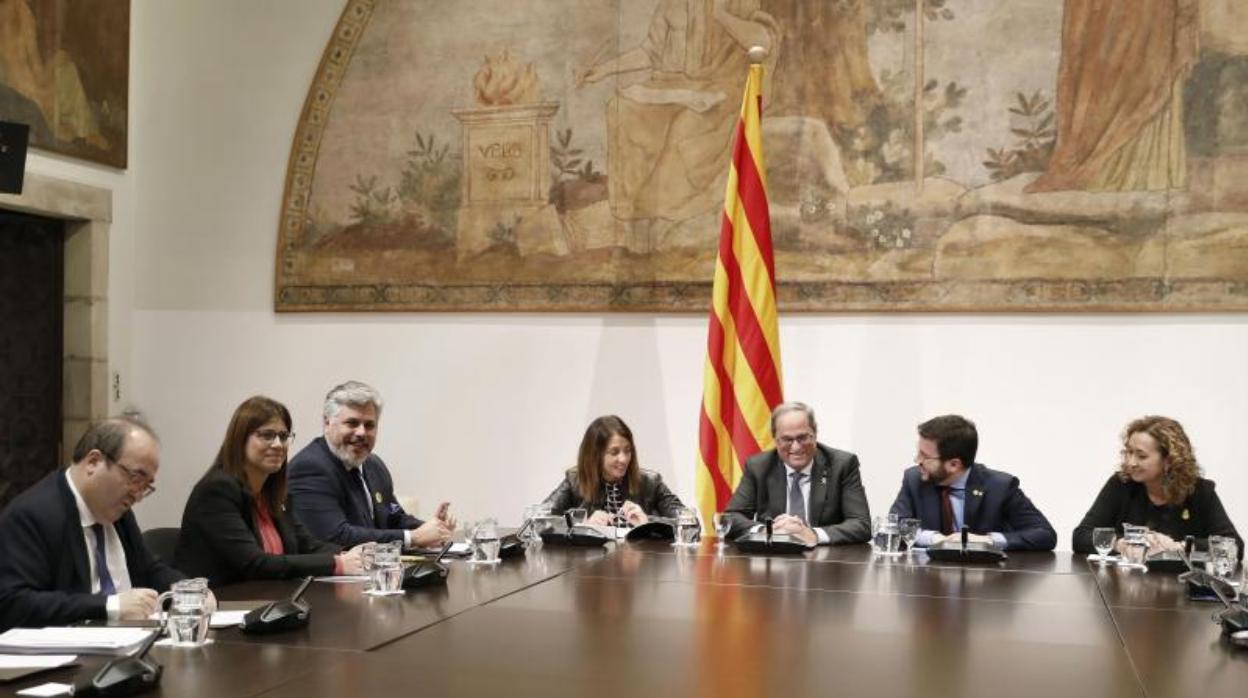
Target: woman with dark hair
{"x": 1158, "y": 485}
{"x": 608, "y": 482}
{"x": 236, "y": 525}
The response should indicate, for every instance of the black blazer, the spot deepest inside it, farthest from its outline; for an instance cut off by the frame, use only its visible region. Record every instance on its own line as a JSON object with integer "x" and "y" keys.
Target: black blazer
{"x": 994, "y": 503}
{"x": 652, "y": 496}
{"x": 838, "y": 502}
{"x": 44, "y": 569}
{"x": 323, "y": 495}
{"x": 219, "y": 538}
{"x": 1119, "y": 502}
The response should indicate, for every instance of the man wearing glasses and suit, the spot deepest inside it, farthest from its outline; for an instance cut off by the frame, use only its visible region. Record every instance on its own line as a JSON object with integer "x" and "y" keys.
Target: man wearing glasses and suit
{"x": 70, "y": 548}
{"x": 946, "y": 489}
{"x": 343, "y": 493}
{"x": 809, "y": 490}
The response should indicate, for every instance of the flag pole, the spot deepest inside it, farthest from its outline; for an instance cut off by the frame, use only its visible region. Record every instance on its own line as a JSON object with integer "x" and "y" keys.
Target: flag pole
{"x": 742, "y": 379}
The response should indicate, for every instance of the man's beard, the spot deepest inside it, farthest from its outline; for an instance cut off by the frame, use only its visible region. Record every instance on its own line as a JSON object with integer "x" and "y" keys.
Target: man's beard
{"x": 343, "y": 453}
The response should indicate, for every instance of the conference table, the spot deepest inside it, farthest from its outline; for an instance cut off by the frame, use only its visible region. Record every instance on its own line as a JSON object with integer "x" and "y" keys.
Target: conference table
{"x": 642, "y": 619}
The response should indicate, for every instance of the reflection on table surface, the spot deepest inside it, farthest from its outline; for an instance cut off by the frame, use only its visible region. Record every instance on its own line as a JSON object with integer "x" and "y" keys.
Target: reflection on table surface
{"x": 648, "y": 619}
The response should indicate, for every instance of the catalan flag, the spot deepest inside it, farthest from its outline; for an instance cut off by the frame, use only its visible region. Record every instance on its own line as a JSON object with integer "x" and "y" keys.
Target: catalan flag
{"x": 741, "y": 381}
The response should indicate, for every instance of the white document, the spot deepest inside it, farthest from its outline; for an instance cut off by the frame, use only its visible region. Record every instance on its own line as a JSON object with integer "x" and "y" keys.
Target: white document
{"x": 40, "y": 661}
{"x": 48, "y": 689}
{"x": 226, "y": 619}
{"x": 96, "y": 640}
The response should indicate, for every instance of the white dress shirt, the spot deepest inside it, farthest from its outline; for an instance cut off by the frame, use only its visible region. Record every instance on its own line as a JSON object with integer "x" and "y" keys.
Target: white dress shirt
{"x": 114, "y": 553}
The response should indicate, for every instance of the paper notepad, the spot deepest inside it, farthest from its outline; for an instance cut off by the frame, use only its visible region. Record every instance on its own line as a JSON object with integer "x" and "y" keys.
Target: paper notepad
{"x": 87, "y": 640}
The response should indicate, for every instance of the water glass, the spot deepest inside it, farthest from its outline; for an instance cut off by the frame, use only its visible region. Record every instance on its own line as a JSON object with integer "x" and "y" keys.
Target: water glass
{"x": 722, "y": 524}
{"x": 368, "y": 558}
{"x": 908, "y": 529}
{"x": 1103, "y": 541}
{"x": 387, "y": 570}
{"x": 1223, "y": 551}
{"x": 885, "y": 536}
{"x": 1136, "y": 547}
{"x": 686, "y": 528}
{"x": 485, "y": 542}
{"x": 187, "y": 620}
{"x": 578, "y": 515}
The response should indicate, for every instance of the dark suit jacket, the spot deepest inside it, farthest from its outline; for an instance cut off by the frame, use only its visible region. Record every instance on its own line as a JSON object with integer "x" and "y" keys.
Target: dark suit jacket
{"x": 219, "y": 538}
{"x": 44, "y": 569}
{"x": 1119, "y": 502}
{"x": 838, "y": 502}
{"x": 652, "y": 496}
{"x": 325, "y": 498}
{"x": 994, "y": 502}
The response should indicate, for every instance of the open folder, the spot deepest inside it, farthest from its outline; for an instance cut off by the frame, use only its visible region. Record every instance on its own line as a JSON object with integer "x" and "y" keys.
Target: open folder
{"x": 76, "y": 640}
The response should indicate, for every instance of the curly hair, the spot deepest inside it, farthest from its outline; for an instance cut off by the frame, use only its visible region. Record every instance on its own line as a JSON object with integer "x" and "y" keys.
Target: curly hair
{"x": 1182, "y": 470}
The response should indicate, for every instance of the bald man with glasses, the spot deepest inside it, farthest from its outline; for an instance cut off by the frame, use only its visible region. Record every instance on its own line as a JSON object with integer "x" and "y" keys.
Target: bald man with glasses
{"x": 811, "y": 491}
{"x": 70, "y": 548}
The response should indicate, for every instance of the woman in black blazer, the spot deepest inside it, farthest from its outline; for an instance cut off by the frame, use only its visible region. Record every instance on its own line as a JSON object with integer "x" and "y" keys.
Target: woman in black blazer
{"x": 1157, "y": 485}
{"x": 608, "y": 482}
{"x": 237, "y": 524}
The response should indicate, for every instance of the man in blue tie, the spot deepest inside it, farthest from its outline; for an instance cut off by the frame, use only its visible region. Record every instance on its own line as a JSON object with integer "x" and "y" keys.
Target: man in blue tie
{"x": 811, "y": 491}
{"x": 946, "y": 489}
{"x": 70, "y": 547}
{"x": 342, "y": 492}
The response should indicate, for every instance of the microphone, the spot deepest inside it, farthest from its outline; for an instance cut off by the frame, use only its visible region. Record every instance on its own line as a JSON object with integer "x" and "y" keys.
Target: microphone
{"x": 567, "y": 518}
{"x": 966, "y": 536}
{"x": 427, "y": 573}
{"x": 279, "y": 616}
{"x": 125, "y": 676}
{"x": 768, "y": 523}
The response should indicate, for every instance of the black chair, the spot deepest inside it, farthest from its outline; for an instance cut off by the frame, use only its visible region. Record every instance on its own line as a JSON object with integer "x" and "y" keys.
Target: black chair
{"x": 162, "y": 542}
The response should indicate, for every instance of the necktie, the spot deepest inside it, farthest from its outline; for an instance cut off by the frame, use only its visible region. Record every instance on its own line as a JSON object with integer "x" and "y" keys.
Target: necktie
{"x": 363, "y": 490}
{"x": 946, "y": 511}
{"x": 797, "y": 503}
{"x": 101, "y": 562}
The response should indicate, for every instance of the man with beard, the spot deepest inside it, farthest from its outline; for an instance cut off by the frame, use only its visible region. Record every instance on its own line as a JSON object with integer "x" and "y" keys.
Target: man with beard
{"x": 947, "y": 489}
{"x": 343, "y": 493}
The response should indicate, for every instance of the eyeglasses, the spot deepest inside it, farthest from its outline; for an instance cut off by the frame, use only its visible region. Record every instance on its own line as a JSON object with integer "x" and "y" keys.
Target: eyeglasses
{"x": 921, "y": 457}
{"x": 137, "y": 478}
{"x": 800, "y": 440}
{"x": 268, "y": 435}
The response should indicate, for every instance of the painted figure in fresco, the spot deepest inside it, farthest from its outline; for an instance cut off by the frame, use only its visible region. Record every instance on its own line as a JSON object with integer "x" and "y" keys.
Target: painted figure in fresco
{"x": 49, "y": 79}
{"x": 1120, "y": 95}
{"x": 668, "y": 136}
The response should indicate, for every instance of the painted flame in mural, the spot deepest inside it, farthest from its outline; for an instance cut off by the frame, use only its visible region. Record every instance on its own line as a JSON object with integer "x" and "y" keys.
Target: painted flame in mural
{"x": 503, "y": 80}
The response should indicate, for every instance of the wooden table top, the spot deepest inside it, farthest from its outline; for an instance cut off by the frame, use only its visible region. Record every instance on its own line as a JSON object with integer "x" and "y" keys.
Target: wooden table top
{"x": 648, "y": 619}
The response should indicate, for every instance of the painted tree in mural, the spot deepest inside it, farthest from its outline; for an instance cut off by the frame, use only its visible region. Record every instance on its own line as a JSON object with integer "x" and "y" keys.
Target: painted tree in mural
{"x": 870, "y": 120}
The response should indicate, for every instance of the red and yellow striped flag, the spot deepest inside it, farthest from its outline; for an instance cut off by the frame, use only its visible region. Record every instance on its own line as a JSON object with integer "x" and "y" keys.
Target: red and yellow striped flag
{"x": 741, "y": 380}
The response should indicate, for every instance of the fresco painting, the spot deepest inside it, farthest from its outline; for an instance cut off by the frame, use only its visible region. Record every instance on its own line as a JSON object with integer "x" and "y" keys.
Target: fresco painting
{"x": 64, "y": 71}
{"x": 571, "y": 155}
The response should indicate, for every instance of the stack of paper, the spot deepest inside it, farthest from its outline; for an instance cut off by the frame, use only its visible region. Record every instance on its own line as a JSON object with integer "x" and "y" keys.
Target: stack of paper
{"x": 100, "y": 640}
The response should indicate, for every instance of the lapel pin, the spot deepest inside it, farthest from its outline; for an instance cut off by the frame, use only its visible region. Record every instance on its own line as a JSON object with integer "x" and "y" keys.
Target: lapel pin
{"x": 377, "y": 497}
{"x": 977, "y": 493}
{"x": 1186, "y": 515}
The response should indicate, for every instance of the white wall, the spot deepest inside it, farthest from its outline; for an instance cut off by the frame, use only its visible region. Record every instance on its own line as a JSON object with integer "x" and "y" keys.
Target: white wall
{"x": 487, "y": 409}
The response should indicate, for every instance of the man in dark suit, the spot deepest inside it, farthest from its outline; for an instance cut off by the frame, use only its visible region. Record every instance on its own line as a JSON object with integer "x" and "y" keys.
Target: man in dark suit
{"x": 342, "y": 492}
{"x": 70, "y": 548}
{"x": 809, "y": 490}
{"x": 947, "y": 489}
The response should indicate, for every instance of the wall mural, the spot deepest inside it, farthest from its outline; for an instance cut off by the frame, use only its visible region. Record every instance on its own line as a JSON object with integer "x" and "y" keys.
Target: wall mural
{"x": 572, "y": 154}
{"x": 65, "y": 71}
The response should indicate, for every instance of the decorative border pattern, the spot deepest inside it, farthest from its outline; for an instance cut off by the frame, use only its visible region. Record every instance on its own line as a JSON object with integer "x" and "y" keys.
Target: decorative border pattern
{"x": 305, "y": 149}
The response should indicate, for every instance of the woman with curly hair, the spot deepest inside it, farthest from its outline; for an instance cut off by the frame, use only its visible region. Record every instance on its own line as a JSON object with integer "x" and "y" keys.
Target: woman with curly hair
{"x": 1158, "y": 484}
